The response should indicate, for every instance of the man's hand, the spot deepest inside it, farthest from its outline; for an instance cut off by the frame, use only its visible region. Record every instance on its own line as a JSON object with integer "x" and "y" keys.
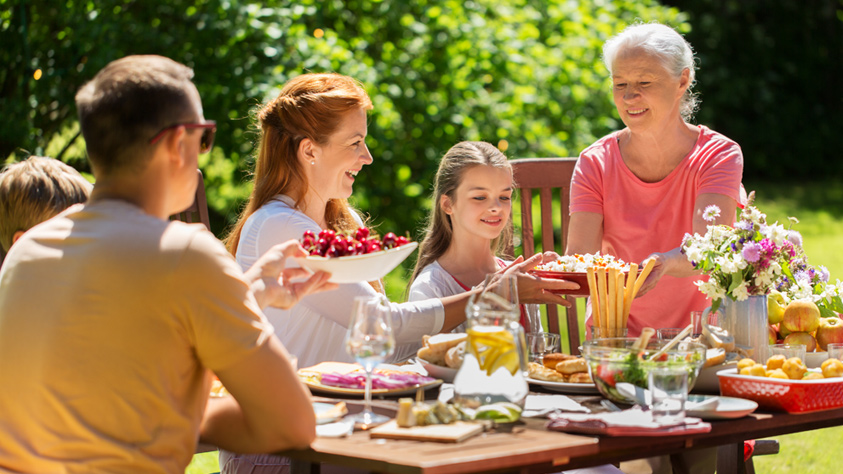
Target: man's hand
{"x": 271, "y": 281}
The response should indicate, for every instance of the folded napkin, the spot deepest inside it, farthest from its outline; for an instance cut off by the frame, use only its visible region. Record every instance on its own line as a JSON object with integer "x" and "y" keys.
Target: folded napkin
{"x": 542, "y": 405}
{"x": 632, "y": 422}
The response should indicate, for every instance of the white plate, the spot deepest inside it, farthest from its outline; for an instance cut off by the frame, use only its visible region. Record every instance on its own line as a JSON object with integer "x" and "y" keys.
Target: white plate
{"x": 447, "y": 374}
{"x": 565, "y": 387}
{"x": 320, "y": 407}
{"x": 359, "y": 268}
{"x": 707, "y": 381}
{"x": 727, "y": 408}
{"x": 387, "y": 392}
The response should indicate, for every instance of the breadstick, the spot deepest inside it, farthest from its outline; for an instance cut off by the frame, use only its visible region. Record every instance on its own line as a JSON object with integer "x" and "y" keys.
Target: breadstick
{"x": 619, "y": 312}
{"x": 595, "y": 302}
{"x": 612, "y": 318}
{"x": 601, "y": 294}
{"x": 648, "y": 267}
{"x": 630, "y": 284}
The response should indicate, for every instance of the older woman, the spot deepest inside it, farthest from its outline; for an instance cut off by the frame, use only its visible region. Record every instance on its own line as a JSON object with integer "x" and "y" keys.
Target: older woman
{"x": 637, "y": 191}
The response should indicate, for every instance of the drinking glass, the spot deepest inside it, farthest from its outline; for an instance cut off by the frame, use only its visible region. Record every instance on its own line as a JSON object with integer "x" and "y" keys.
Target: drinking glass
{"x": 667, "y": 334}
{"x": 835, "y": 351}
{"x": 788, "y": 350}
{"x": 668, "y": 392}
{"x": 370, "y": 341}
{"x": 598, "y": 333}
{"x": 541, "y": 344}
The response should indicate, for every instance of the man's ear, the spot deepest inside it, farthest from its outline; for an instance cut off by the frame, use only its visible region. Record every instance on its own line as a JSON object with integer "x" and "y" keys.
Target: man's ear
{"x": 446, "y": 205}
{"x": 309, "y": 152}
{"x": 174, "y": 143}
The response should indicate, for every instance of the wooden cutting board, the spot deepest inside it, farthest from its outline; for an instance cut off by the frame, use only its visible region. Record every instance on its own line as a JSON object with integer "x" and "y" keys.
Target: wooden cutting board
{"x": 451, "y": 433}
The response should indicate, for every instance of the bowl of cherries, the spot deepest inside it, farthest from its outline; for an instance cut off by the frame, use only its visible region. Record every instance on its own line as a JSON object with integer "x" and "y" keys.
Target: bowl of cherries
{"x": 355, "y": 256}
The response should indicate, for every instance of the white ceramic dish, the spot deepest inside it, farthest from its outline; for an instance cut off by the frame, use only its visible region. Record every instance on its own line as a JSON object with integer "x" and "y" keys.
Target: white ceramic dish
{"x": 316, "y": 387}
{"x": 359, "y": 268}
{"x": 320, "y": 407}
{"x": 727, "y": 408}
{"x": 447, "y": 374}
{"x": 707, "y": 381}
{"x": 815, "y": 359}
{"x": 565, "y": 387}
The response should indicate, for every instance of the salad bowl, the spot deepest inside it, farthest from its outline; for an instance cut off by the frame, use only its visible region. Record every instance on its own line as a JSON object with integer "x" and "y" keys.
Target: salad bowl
{"x": 613, "y": 361}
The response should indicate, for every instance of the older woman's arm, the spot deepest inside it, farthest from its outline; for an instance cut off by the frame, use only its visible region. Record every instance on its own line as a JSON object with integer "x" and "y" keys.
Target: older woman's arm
{"x": 673, "y": 262}
{"x": 585, "y": 233}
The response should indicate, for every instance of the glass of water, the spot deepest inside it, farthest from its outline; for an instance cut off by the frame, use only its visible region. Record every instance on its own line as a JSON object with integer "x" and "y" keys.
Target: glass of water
{"x": 370, "y": 341}
{"x": 668, "y": 392}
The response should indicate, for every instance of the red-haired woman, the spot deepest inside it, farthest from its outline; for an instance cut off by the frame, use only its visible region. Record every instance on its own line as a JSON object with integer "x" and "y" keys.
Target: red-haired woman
{"x": 312, "y": 146}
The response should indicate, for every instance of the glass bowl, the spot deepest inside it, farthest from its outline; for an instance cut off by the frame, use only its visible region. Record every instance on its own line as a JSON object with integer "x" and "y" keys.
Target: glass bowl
{"x": 612, "y": 361}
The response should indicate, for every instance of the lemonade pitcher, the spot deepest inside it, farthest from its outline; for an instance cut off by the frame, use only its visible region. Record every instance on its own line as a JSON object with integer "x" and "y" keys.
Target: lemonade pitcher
{"x": 495, "y": 363}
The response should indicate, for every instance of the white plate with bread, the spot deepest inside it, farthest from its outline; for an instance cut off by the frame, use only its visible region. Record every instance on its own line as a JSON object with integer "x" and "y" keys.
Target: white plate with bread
{"x": 562, "y": 373}
{"x": 566, "y": 387}
{"x": 442, "y": 354}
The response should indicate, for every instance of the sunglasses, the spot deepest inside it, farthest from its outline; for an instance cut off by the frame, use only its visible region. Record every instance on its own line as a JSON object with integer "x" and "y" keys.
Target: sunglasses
{"x": 207, "y": 141}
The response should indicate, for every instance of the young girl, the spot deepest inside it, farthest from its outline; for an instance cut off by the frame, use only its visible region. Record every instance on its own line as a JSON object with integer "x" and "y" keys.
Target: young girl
{"x": 469, "y": 226}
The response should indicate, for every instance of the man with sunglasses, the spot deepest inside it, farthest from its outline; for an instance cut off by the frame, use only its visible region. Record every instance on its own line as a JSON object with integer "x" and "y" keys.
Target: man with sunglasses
{"x": 112, "y": 318}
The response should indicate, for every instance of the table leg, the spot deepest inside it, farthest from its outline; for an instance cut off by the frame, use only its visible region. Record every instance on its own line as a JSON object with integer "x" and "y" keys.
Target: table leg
{"x": 730, "y": 459}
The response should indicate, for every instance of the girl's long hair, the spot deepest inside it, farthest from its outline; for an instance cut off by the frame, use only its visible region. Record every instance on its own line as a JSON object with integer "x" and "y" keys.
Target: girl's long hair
{"x": 439, "y": 230}
{"x": 309, "y": 106}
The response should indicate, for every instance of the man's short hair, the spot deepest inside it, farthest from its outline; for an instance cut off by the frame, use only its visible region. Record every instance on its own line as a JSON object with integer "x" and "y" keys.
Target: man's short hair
{"x": 127, "y": 103}
{"x": 34, "y": 190}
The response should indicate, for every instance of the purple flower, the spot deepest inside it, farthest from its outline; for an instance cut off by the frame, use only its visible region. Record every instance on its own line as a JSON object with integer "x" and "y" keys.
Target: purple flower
{"x": 802, "y": 275}
{"x": 751, "y": 252}
{"x": 744, "y": 225}
{"x": 794, "y": 237}
{"x": 824, "y": 275}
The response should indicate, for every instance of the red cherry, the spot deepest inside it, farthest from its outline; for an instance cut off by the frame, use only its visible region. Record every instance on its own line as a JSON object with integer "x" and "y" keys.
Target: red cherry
{"x": 308, "y": 233}
{"x": 359, "y": 248}
{"x": 389, "y": 240}
{"x": 331, "y": 253}
{"x": 401, "y": 240}
{"x": 373, "y": 246}
{"x": 361, "y": 233}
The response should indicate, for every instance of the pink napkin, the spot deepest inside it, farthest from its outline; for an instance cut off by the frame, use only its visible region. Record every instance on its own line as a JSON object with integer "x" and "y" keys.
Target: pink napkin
{"x": 632, "y": 422}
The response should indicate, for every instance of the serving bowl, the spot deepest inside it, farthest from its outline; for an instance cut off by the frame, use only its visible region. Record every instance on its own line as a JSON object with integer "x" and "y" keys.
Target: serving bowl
{"x": 613, "y": 361}
{"x": 580, "y": 278}
{"x": 358, "y": 268}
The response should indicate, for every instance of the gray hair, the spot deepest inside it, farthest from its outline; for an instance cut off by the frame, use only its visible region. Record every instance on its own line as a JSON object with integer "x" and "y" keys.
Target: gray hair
{"x": 666, "y": 44}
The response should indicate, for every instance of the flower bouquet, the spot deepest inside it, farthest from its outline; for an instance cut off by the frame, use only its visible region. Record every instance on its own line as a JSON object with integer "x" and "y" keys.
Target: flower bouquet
{"x": 755, "y": 258}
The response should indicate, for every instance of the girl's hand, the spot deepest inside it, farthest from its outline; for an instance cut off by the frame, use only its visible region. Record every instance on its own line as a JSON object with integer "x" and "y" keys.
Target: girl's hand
{"x": 272, "y": 283}
{"x": 533, "y": 289}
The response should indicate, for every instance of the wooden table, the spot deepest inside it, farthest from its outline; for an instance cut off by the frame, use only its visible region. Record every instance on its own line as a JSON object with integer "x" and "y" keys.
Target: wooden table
{"x": 531, "y": 448}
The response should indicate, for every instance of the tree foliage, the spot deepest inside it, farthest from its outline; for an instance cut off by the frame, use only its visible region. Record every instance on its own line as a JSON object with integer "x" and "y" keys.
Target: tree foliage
{"x": 770, "y": 75}
{"x": 523, "y": 74}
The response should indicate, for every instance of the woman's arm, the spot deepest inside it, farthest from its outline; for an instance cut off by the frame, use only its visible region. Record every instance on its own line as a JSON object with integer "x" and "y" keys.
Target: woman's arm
{"x": 585, "y": 233}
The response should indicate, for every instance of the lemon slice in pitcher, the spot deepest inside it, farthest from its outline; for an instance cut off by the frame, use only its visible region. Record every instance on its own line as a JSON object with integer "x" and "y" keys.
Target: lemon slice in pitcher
{"x": 494, "y": 348}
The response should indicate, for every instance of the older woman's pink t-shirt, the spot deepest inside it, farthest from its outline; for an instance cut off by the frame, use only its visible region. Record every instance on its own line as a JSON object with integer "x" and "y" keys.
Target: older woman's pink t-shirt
{"x": 640, "y": 218}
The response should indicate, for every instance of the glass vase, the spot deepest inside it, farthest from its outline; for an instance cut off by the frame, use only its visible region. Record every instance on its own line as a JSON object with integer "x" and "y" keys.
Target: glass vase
{"x": 747, "y": 322}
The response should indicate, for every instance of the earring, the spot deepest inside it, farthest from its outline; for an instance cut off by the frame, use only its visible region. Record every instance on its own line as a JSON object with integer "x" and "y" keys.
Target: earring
{"x": 312, "y": 162}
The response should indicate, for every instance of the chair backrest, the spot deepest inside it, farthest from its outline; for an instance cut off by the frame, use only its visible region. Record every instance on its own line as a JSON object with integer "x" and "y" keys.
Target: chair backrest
{"x": 198, "y": 211}
{"x": 549, "y": 177}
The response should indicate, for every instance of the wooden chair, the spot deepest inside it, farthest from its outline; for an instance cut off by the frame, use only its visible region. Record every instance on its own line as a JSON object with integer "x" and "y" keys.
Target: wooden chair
{"x": 198, "y": 211}
{"x": 547, "y": 176}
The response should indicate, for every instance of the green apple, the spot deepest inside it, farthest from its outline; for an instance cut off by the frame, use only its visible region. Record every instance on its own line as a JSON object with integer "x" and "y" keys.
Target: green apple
{"x": 776, "y": 303}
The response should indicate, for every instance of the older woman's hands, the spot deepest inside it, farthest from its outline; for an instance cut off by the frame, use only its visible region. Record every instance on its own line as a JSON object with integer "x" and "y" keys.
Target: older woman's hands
{"x": 272, "y": 283}
{"x": 533, "y": 289}
{"x": 671, "y": 263}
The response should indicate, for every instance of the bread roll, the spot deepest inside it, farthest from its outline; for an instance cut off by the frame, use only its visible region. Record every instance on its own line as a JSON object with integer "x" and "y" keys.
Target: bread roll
{"x": 550, "y": 360}
{"x": 714, "y": 357}
{"x": 540, "y": 372}
{"x": 572, "y": 366}
{"x": 436, "y": 347}
{"x": 580, "y": 377}
{"x": 454, "y": 356}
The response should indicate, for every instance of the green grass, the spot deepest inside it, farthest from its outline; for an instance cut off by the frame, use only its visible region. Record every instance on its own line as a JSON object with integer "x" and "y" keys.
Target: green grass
{"x": 819, "y": 208}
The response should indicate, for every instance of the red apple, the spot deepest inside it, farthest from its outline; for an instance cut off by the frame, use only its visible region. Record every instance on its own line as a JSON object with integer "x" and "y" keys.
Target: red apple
{"x": 801, "y": 316}
{"x": 772, "y": 336}
{"x": 802, "y": 338}
{"x": 830, "y": 331}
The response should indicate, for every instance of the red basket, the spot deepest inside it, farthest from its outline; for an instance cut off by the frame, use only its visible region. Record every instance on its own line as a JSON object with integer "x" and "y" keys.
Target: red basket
{"x": 792, "y": 396}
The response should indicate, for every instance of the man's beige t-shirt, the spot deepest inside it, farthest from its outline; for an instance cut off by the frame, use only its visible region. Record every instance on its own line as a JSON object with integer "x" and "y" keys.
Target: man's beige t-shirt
{"x": 109, "y": 319}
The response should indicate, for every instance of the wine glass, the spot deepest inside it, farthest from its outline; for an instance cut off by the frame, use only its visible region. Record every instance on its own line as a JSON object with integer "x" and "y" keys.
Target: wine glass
{"x": 370, "y": 342}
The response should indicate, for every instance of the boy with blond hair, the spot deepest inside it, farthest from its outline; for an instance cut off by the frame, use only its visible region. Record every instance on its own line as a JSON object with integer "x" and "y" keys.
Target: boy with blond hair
{"x": 34, "y": 190}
